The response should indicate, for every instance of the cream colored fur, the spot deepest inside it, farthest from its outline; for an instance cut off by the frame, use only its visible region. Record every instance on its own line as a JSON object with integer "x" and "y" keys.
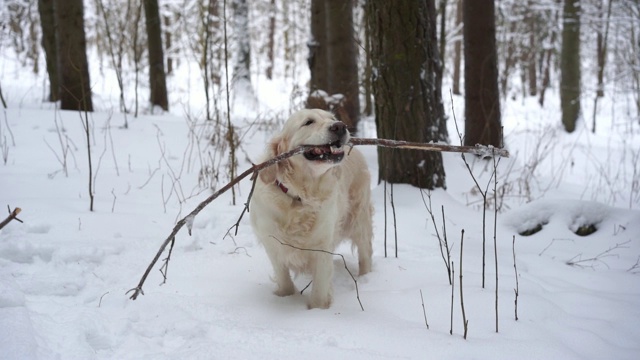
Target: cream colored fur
{"x": 325, "y": 204}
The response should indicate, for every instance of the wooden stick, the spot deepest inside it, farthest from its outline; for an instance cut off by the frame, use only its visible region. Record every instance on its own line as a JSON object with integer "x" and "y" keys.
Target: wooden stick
{"x": 480, "y": 150}
{"x": 13, "y": 215}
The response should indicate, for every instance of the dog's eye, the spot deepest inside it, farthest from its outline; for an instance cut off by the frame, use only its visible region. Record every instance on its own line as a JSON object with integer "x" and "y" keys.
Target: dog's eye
{"x": 309, "y": 122}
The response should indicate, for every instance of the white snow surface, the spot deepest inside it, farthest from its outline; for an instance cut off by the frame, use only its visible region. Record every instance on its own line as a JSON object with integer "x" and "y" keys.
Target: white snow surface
{"x": 65, "y": 271}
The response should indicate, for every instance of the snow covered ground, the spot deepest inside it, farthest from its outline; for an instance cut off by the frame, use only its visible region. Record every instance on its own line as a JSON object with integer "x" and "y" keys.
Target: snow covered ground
{"x": 65, "y": 271}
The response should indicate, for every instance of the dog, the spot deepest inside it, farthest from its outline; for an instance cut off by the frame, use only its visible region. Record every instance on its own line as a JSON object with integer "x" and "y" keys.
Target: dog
{"x": 302, "y": 208}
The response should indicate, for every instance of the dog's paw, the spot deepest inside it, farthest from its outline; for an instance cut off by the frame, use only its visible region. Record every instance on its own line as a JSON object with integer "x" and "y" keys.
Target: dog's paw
{"x": 319, "y": 303}
{"x": 285, "y": 291}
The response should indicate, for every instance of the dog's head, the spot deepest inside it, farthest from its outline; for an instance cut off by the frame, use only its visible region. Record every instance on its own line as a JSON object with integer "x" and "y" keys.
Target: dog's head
{"x": 314, "y": 127}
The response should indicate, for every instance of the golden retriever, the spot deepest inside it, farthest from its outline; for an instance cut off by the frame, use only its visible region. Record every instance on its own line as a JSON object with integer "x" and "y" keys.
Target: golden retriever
{"x": 312, "y": 201}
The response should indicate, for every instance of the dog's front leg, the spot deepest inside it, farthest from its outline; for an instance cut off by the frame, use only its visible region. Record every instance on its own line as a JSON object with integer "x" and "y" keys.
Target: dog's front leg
{"x": 322, "y": 291}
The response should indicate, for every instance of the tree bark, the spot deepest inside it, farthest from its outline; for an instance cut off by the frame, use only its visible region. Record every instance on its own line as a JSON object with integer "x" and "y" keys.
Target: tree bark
{"x": 457, "y": 52}
{"x": 271, "y": 39}
{"x": 482, "y": 97}
{"x": 342, "y": 60}
{"x": 408, "y": 102}
{"x": 570, "y": 65}
{"x": 73, "y": 69}
{"x": 317, "y": 59}
{"x": 47, "y": 21}
{"x": 157, "y": 77}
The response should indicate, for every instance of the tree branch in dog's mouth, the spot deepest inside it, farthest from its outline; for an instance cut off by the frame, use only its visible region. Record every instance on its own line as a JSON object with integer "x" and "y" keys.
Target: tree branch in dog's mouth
{"x": 332, "y": 152}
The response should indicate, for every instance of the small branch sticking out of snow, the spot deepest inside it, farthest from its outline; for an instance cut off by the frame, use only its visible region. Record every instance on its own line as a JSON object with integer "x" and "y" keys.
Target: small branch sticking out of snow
{"x": 13, "y": 215}
{"x": 189, "y": 222}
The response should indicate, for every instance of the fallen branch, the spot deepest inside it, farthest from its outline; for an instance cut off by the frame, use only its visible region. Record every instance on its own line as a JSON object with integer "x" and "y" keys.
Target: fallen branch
{"x": 254, "y": 169}
{"x": 13, "y": 215}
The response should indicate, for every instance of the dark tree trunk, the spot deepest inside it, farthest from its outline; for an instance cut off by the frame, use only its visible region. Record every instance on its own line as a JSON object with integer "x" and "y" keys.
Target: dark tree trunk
{"x": 342, "y": 60}
{"x": 317, "y": 59}
{"x": 408, "y": 101}
{"x": 457, "y": 52}
{"x": 570, "y": 65}
{"x": 48, "y": 23}
{"x": 73, "y": 69}
{"x": 157, "y": 77}
{"x": 482, "y": 97}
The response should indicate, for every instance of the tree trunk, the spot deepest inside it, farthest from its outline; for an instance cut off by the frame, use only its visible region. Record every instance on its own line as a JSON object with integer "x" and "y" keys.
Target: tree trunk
{"x": 531, "y": 52}
{"x": 73, "y": 69}
{"x": 408, "y": 102}
{"x": 546, "y": 62}
{"x": 242, "y": 68}
{"x": 157, "y": 77}
{"x": 457, "y": 52}
{"x": 442, "y": 39}
{"x": 47, "y": 21}
{"x": 342, "y": 60}
{"x": 482, "y": 98}
{"x": 168, "y": 43}
{"x": 271, "y": 39}
{"x": 570, "y": 65}
{"x": 317, "y": 59}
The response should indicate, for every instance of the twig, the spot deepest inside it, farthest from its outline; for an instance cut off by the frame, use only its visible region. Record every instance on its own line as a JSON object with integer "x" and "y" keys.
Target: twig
{"x": 634, "y": 269}
{"x": 452, "y": 289}
{"x": 113, "y": 205}
{"x": 385, "y": 218}
{"x": 598, "y": 257}
{"x": 424, "y": 310}
{"x": 330, "y": 253}
{"x": 13, "y": 215}
{"x": 515, "y": 268}
{"x": 551, "y": 243}
{"x": 482, "y": 193}
{"x": 164, "y": 269}
{"x": 447, "y": 259}
{"x": 495, "y": 227}
{"x": 395, "y": 227}
{"x": 246, "y": 207}
{"x": 103, "y": 295}
{"x": 465, "y": 322}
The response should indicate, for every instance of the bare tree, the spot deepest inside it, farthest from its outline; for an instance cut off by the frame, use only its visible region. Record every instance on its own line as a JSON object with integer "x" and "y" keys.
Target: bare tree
{"x": 73, "y": 69}
{"x": 342, "y": 61}
{"x": 157, "y": 77}
{"x": 47, "y": 22}
{"x": 482, "y": 100}
{"x": 408, "y": 102}
{"x": 570, "y": 65}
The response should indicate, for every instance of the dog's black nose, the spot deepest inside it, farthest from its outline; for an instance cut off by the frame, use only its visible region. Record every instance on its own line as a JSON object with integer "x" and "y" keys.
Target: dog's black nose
{"x": 338, "y": 128}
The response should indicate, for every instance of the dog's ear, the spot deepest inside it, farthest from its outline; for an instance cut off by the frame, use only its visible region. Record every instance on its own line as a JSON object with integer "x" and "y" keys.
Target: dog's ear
{"x": 275, "y": 147}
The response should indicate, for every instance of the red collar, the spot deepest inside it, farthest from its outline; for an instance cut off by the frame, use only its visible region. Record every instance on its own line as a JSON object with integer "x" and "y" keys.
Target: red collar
{"x": 286, "y": 190}
{"x": 281, "y": 186}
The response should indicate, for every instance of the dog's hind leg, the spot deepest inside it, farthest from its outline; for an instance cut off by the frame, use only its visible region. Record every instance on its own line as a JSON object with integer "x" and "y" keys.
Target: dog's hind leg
{"x": 362, "y": 235}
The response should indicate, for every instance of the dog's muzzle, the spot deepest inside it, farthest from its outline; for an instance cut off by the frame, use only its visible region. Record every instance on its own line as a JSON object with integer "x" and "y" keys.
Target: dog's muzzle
{"x": 334, "y": 151}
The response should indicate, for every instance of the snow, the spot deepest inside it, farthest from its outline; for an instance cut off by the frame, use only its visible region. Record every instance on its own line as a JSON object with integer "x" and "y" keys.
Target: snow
{"x": 65, "y": 272}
